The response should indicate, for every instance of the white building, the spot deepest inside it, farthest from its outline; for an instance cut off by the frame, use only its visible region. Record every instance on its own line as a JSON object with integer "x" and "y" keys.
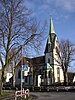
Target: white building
{"x": 52, "y": 55}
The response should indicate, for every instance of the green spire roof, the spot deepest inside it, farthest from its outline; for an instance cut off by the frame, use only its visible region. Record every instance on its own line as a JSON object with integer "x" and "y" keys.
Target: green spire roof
{"x": 51, "y": 26}
{"x": 51, "y": 38}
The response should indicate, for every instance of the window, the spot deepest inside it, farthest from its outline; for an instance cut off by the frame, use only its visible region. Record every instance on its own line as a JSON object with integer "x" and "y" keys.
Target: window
{"x": 57, "y": 51}
{"x": 58, "y": 71}
{"x": 19, "y": 73}
{"x": 58, "y": 74}
{"x": 40, "y": 72}
{"x": 45, "y": 74}
{"x": 26, "y": 77}
{"x": 48, "y": 60}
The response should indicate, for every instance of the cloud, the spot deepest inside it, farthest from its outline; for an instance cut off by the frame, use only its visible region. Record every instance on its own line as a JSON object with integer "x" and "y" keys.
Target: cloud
{"x": 68, "y": 5}
{"x": 60, "y": 9}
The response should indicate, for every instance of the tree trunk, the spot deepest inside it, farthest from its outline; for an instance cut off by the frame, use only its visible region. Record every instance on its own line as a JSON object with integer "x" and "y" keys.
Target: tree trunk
{"x": 1, "y": 85}
{"x": 66, "y": 74}
{"x": 65, "y": 78}
{"x": 1, "y": 82}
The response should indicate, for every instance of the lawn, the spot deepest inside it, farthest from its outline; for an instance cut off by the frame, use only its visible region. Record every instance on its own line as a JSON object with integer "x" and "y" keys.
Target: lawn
{"x": 9, "y": 95}
{"x": 4, "y": 95}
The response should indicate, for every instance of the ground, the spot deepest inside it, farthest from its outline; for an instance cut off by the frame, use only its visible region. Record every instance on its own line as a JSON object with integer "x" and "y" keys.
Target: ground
{"x": 45, "y": 96}
{"x": 54, "y": 95}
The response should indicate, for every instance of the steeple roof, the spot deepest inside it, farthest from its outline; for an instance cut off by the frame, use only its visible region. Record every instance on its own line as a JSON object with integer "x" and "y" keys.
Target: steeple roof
{"x": 51, "y": 26}
{"x": 51, "y": 37}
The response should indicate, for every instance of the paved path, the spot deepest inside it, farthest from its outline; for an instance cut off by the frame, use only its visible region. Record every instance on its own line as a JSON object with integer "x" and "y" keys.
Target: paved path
{"x": 54, "y": 95}
{"x": 48, "y": 96}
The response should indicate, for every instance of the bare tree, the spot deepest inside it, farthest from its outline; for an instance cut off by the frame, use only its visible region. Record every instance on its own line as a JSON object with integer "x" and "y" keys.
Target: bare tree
{"x": 17, "y": 29}
{"x": 67, "y": 56}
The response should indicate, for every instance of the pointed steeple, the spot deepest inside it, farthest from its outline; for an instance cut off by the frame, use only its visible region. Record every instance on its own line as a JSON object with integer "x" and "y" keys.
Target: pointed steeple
{"x": 51, "y": 26}
{"x": 52, "y": 33}
{"x": 51, "y": 37}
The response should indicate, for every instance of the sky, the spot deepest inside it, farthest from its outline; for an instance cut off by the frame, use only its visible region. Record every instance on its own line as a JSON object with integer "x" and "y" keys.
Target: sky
{"x": 62, "y": 13}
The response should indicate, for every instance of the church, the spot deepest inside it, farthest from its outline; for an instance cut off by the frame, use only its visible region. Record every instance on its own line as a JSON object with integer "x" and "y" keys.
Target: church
{"x": 43, "y": 70}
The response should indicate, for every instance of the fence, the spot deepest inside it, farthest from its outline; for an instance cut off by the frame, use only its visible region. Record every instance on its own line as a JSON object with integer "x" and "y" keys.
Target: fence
{"x": 22, "y": 93}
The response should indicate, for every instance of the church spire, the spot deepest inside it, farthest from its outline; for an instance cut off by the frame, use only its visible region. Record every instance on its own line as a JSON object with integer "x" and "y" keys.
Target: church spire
{"x": 51, "y": 38}
{"x": 51, "y": 26}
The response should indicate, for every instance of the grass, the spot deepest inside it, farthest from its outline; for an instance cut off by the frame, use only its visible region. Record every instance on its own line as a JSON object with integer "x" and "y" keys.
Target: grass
{"x": 4, "y": 95}
{"x": 7, "y": 94}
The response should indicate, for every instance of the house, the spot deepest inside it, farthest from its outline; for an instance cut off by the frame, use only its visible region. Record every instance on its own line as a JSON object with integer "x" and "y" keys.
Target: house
{"x": 71, "y": 77}
{"x": 43, "y": 70}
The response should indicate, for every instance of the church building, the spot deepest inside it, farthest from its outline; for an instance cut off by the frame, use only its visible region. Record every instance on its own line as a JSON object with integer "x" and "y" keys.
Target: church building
{"x": 43, "y": 70}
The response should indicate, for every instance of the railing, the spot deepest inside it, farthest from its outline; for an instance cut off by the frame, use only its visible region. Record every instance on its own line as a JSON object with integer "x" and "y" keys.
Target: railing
{"x": 21, "y": 93}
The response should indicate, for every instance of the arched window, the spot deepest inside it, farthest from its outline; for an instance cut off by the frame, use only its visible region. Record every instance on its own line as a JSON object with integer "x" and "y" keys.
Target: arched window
{"x": 58, "y": 71}
{"x": 49, "y": 60}
{"x": 45, "y": 74}
{"x": 19, "y": 73}
{"x": 58, "y": 74}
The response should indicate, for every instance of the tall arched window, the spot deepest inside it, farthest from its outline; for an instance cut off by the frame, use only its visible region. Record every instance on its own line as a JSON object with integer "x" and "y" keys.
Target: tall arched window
{"x": 58, "y": 74}
{"x": 49, "y": 60}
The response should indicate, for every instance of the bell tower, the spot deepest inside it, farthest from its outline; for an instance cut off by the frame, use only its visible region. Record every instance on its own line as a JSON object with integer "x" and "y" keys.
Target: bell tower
{"x": 50, "y": 44}
{"x": 52, "y": 54}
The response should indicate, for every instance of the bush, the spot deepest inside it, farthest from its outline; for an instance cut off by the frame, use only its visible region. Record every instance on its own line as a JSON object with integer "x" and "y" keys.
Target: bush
{"x": 57, "y": 84}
